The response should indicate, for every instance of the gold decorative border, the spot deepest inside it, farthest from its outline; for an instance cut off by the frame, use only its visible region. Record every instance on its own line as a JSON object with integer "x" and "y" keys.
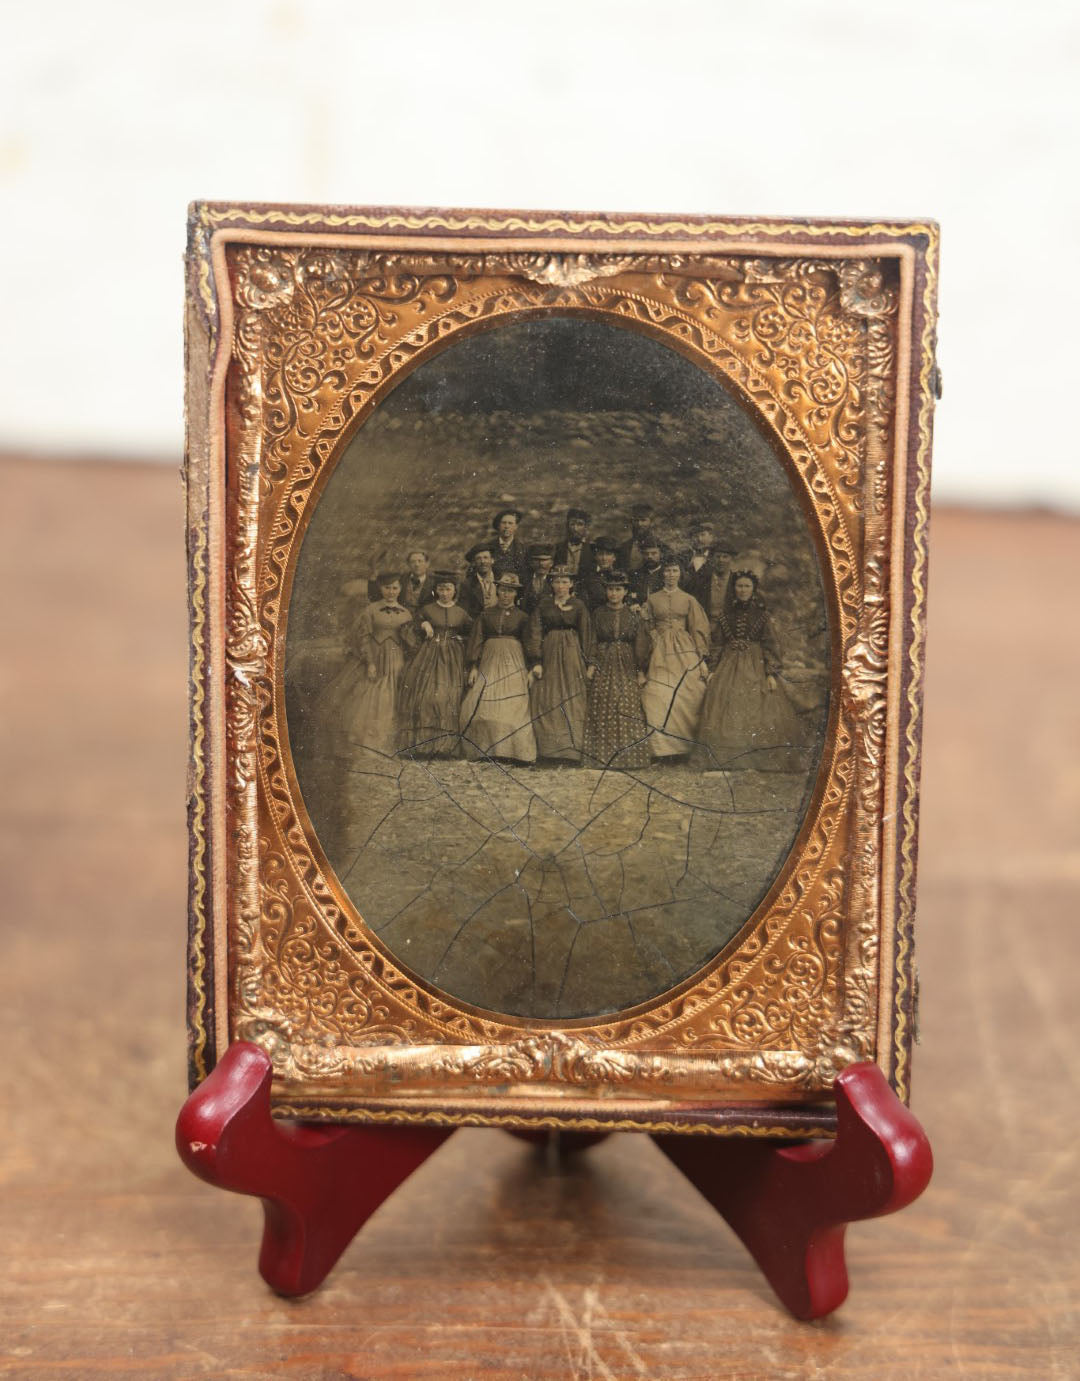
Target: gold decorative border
{"x": 197, "y": 826}
{"x": 564, "y": 1122}
{"x": 215, "y": 216}
{"x": 904, "y": 992}
{"x": 274, "y": 275}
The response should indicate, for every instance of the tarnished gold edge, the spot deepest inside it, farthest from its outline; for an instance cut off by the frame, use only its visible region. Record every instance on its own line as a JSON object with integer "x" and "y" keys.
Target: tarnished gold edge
{"x": 211, "y": 221}
{"x": 197, "y": 943}
{"x": 204, "y": 894}
{"x": 197, "y": 523}
{"x": 906, "y": 907}
{"x": 214, "y": 215}
{"x": 899, "y": 488}
{"x": 517, "y": 1122}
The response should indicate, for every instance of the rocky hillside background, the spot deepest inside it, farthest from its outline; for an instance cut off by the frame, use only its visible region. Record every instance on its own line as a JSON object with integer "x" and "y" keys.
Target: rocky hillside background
{"x": 436, "y": 480}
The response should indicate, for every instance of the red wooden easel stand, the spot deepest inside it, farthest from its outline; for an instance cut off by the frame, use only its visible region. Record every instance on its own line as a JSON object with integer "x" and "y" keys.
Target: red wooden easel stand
{"x": 789, "y": 1204}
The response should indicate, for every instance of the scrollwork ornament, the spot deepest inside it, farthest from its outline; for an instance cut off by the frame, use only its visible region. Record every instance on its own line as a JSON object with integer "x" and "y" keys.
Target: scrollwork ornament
{"x": 570, "y": 270}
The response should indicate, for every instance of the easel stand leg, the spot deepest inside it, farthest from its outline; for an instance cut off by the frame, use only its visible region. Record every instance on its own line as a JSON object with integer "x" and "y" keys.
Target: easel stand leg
{"x": 319, "y": 1185}
{"x": 788, "y": 1204}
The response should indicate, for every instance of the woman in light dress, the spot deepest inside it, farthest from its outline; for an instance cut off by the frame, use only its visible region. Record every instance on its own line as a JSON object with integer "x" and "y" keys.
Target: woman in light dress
{"x": 357, "y": 712}
{"x": 496, "y": 720}
{"x": 747, "y": 720}
{"x": 360, "y": 704}
{"x": 675, "y": 684}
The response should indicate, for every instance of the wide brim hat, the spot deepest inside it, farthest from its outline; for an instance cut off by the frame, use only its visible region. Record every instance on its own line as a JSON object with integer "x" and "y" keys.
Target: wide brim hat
{"x": 560, "y": 570}
{"x": 616, "y": 578}
{"x": 475, "y": 550}
{"x": 515, "y": 513}
{"x": 540, "y": 549}
{"x": 509, "y": 578}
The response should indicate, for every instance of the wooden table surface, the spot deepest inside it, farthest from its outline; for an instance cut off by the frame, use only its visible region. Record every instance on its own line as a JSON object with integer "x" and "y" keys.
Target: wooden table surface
{"x": 492, "y": 1262}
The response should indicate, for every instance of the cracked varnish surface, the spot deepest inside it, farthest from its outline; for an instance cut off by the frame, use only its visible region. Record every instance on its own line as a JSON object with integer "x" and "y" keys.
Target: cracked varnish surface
{"x": 562, "y": 892}
{"x": 494, "y": 1263}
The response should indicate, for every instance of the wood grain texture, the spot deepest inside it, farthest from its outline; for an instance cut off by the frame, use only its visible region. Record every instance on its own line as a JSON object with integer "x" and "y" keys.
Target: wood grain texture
{"x": 495, "y": 1261}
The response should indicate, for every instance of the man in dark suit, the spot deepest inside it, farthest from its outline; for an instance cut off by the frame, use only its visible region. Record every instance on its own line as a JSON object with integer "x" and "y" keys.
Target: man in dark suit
{"x": 705, "y": 569}
{"x": 509, "y": 551}
{"x": 650, "y": 576}
{"x": 630, "y": 556}
{"x": 575, "y": 552}
{"x": 541, "y": 560}
{"x": 477, "y": 591}
{"x": 417, "y": 585}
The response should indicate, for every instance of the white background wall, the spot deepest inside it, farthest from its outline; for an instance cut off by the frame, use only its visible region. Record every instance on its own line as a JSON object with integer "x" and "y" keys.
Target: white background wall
{"x": 115, "y": 115}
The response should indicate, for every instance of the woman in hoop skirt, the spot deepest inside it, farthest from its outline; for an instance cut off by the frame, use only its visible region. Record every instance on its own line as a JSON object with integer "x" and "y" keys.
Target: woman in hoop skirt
{"x": 434, "y": 680}
{"x": 360, "y": 704}
{"x": 673, "y": 692}
{"x": 495, "y": 719}
{"x": 616, "y": 735}
{"x": 356, "y": 715}
{"x": 559, "y": 645}
{"x": 747, "y": 720}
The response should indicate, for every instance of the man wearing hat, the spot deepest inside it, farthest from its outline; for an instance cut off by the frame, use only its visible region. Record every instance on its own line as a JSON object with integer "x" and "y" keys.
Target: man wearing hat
{"x": 508, "y": 551}
{"x": 705, "y": 569}
{"x": 477, "y": 591}
{"x": 541, "y": 560}
{"x": 650, "y": 576}
{"x": 593, "y": 588}
{"x": 630, "y": 555}
{"x": 576, "y": 551}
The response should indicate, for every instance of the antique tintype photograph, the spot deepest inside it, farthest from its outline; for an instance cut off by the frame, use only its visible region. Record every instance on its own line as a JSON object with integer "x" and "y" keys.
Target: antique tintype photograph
{"x": 557, "y": 590}
{"x": 557, "y": 668}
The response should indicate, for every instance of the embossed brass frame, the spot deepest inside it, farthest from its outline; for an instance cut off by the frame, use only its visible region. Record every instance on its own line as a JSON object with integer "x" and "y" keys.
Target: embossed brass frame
{"x": 298, "y": 321}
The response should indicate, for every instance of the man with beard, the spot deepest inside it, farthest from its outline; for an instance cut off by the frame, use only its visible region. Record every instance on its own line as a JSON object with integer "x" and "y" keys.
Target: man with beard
{"x": 650, "y": 577}
{"x": 631, "y": 554}
{"x": 477, "y": 591}
{"x": 705, "y": 569}
{"x": 541, "y": 560}
{"x": 575, "y": 552}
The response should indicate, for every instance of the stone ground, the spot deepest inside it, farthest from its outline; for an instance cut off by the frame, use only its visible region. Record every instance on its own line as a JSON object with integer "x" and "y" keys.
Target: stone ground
{"x": 560, "y": 891}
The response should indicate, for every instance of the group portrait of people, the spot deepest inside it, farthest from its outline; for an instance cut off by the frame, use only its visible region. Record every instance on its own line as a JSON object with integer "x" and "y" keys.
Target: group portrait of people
{"x": 612, "y": 653}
